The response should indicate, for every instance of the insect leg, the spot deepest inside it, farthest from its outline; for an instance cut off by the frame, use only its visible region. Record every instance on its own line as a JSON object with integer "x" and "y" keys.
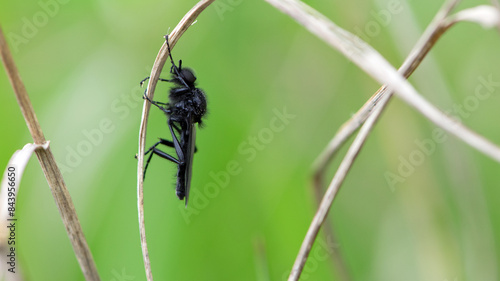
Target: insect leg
{"x": 145, "y": 96}
{"x": 162, "y": 141}
{"x": 165, "y": 155}
{"x": 170, "y": 54}
{"x": 144, "y": 80}
{"x": 174, "y": 67}
{"x": 177, "y": 146}
{"x": 158, "y": 104}
{"x": 167, "y": 142}
{"x": 153, "y": 150}
{"x": 176, "y": 128}
{"x": 160, "y": 79}
{"x": 179, "y": 131}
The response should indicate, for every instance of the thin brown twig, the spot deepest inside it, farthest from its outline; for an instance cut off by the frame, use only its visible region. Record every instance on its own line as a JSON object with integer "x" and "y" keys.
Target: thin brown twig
{"x": 160, "y": 60}
{"x": 436, "y": 28}
{"x": 374, "y": 64}
{"x": 434, "y": 31}
{"x": 11, "y": 183}
{"x": 440, "y": 24}
{"x": 369, "y": 60}
{"x": 332, "y": 191}
{"x": 381, "y": 70}
{"x": 50, "y": 169}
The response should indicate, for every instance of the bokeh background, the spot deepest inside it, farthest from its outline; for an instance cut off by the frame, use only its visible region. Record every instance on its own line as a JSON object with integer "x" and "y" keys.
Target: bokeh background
{"x": 81, "y": 62}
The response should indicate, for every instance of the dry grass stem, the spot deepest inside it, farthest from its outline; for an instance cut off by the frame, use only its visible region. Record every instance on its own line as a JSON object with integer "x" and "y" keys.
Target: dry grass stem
{"x": 332, "y": 190}
{"x": 375, "y": 65}
{"x": 160, "y": 60}
{"x": 8, "y": 196}
{"x": 434, "y": 31}
{"x": 50, "y": 169}
{"x": 436, "y": 28}
{"x": 441, "y": 23}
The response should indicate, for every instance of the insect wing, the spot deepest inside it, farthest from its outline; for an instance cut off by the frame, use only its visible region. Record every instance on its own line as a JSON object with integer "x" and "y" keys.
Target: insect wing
{"x": 189, "y": 154}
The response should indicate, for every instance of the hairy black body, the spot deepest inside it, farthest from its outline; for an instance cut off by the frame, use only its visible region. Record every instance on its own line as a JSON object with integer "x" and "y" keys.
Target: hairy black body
{"x": 186, "y": 107}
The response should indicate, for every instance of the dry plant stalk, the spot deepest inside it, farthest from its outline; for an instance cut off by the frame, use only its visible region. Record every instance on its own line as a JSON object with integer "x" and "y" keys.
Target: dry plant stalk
{"x": 440, "y": 24}
{"x": 375, "y": 65}
{"x": 11, "y": 183}
{"x": 50, "y": 169}
{"x": 160, "y": 60}
{"x": 436, "y": 28}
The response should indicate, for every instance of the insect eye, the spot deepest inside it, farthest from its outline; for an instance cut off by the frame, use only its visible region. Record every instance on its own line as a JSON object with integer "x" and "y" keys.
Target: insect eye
{"x": 188, "y": 75}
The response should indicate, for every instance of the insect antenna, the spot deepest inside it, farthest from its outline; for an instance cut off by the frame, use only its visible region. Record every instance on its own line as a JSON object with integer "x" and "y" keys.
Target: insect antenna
{"x": 171, "y": 59}
{"x": 174, "y": 67}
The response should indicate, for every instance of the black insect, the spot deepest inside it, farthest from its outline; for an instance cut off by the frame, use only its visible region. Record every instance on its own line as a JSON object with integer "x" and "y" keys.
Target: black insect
{"x": 187, "y": 105}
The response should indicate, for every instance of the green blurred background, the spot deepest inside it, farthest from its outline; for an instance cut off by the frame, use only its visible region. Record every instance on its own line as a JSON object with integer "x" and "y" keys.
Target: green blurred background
{"x": 81, "y": 62}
